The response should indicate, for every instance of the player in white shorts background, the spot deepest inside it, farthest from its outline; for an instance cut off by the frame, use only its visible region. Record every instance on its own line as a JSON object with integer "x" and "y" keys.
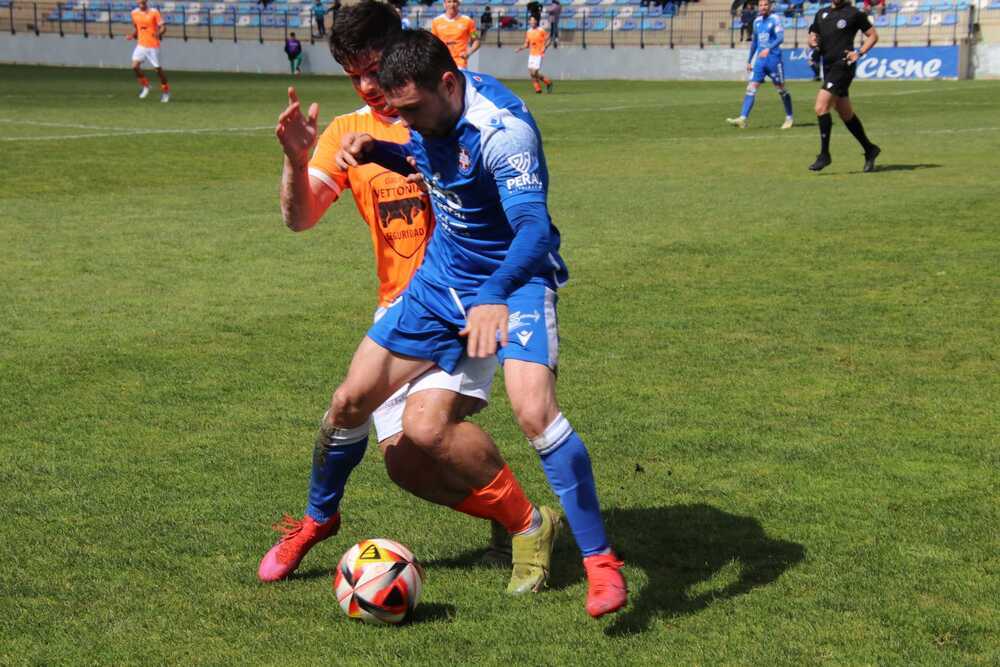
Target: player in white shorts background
{"x": 537, "y": 40}
{"x": 148, "y": 32}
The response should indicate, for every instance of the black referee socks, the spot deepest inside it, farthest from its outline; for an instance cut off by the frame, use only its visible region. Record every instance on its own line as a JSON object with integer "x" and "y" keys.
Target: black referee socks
{"x": 825, "y": 126}
{"x": 854, "y": 125}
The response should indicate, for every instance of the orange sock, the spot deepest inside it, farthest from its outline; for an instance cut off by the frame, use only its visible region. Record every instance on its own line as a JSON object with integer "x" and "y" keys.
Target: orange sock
{"x": 144, "y": 82}
{"x": 536, "y": 85}
{"x": 503, "y": 500}
{"x": 165, "y": 87}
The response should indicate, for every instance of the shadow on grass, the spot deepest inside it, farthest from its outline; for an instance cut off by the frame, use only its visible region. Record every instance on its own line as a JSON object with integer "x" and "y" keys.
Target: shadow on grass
{"x": 886, "y": 167}
{"x": 429, "y": 612}
{"x": 693, "y": 555}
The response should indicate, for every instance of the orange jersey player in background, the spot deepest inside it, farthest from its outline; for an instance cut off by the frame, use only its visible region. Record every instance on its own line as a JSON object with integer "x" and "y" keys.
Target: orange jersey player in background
{"x": 537, "y": 40}
{"x": 457, "y": 31}
{"x": 148, "y": 30}
{"x": 439, "y": 456}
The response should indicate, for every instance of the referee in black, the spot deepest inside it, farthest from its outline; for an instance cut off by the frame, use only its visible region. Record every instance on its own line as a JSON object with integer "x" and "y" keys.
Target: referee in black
{"x": 832, "y": 32}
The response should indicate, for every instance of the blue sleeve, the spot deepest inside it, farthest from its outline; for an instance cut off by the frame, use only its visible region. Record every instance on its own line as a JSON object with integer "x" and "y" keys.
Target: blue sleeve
{"x": 779, "y": 36}
{"x": 392, "y": 156}
{"x": 753, "y": 42}
{"x": 527, "y": 252}
{"x": 513, "y": 157}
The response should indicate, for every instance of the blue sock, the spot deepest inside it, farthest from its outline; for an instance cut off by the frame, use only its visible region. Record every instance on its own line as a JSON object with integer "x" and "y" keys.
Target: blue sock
{"x": 748, "y": 100}
{"x": 786, "y": 99}
{"x": 334, "y": 457}
{"x": 567, "y": 467}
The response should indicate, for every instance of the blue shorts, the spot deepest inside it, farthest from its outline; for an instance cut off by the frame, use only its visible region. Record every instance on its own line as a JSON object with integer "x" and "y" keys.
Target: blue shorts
{"x": 772, "y": 67}
{"x": 424, "y": 323}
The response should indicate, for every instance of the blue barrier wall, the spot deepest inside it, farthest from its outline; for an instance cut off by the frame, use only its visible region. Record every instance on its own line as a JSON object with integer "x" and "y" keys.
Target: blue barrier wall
{"x": 901, "y": 62}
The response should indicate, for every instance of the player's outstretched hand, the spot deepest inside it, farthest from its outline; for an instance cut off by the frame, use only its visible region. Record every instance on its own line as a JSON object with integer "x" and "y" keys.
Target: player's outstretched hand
{"x": 484, "y": 325}
{"x": 353, "y": 148}
{"x": 297, "y": 133}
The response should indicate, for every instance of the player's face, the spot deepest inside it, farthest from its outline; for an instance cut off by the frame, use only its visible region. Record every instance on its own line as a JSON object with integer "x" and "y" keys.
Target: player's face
{"x": 143, "y": 5}
{"x": 532, "y": 23}
{"x": 429, "y": 112}
{"x": 363, "y": 72}
{"x": 451, "y": 8}
{"x": 764, "y": 7}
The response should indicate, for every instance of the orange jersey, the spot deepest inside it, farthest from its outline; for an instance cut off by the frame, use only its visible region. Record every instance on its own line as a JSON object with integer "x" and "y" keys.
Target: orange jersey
{"x": 456, "y": 33}
{"x": 398, "y": 214}
{"x": 535, "y": 40}
{"x": 147, "y": 27}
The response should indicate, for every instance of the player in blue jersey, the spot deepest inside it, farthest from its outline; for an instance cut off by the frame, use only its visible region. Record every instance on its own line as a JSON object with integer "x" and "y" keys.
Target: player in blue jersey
{"x": 490, "y": 272}
{"x": 765, "y": 61}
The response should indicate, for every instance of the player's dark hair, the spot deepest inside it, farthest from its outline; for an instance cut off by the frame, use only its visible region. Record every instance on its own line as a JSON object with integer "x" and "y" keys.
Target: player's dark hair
{"x": 415, "y": 56}
{"x": 362, "y": 28}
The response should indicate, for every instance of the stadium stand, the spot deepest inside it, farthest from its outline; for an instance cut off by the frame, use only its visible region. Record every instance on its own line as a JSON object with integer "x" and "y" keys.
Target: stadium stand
{"x": 584, "y": 22}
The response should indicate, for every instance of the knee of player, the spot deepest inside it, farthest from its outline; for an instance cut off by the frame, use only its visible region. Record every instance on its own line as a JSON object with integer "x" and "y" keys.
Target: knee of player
{"x": 751, "y": 89}
{"x": 534, "y": 418}
{"x": 423, "y": 429}
{"x": 821, "y": 108}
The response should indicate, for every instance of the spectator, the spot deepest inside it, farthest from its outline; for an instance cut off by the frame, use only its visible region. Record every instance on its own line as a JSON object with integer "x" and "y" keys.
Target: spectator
{"x": 879, "y": 4}
{"x": 554, "y": 11}
{"x": 293, "y": 49}
{"x": 747, "y": 16}
{"x": 485, "y": 21}
{"x": 319, "y": 18}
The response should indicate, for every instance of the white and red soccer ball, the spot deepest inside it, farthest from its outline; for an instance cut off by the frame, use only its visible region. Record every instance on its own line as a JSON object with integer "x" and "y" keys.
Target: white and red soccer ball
{"x": 378, "y": 581}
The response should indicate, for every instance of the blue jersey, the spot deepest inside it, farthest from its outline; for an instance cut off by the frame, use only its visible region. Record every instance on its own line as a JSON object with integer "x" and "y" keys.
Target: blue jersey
{"x": 490, "y": 163}
{"x": 768, "y": 33}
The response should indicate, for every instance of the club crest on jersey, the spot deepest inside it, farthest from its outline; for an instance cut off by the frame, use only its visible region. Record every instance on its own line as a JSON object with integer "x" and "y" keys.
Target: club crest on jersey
{"x": 825, "y": 14}
{"x": 464, "y": 161}
{"x": 841, "y": 24}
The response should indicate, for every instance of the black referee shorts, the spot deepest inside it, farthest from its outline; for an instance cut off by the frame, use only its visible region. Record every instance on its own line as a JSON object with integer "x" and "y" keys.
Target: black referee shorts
{"x": 837, "y": 77}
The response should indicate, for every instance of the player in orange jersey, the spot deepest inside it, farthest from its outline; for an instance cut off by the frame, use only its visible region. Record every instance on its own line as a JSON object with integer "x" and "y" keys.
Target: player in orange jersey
{"x": 457, "y": 31}
{"x": 537, "y": 40}
{"x": 439, "y": 456}
{"x": 148, "y": 30}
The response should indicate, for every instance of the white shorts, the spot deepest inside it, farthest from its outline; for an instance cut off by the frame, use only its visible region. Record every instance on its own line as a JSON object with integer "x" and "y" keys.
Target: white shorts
{"x": 146, "y": 54}
{"x": 472, "y": 377}
{"x": 534, "y": 62}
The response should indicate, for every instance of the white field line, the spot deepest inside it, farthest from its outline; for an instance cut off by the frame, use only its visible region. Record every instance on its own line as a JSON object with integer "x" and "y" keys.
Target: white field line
{"x": 127, "y": 132}
{"x": 681, "y": 102}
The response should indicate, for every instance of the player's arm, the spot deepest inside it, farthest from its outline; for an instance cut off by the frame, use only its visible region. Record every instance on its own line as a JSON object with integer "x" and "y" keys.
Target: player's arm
{"x": 777, "y": 39}
{"x": 135, "y": 32}
{"x": 474, "y": 42}
{"x": 304, "y": 199}
{"x": 753, "y": 45}
{"x": 522, "y": 196}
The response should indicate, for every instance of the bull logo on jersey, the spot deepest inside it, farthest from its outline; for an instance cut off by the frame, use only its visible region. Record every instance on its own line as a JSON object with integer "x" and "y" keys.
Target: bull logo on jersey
{"x": 464, "y": 161}
{"x": 401, "y": 212}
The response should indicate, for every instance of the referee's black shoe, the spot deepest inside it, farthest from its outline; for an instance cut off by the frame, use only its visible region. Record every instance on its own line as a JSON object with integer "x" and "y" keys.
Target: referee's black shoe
{"x": 870, "y": 156}
{"x": 822, "y": 161}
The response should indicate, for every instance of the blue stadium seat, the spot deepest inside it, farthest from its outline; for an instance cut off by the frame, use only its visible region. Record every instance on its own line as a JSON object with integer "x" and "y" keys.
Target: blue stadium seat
{"x": 916, "y": 21}
{"x": 567, "y": 25}
{"x": 657, "y": 24}
{"x": 949, "y": 19}
{"x": 882, "y": 21}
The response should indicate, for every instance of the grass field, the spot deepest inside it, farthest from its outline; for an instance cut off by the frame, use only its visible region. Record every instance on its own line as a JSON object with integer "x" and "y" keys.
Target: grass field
{"x": 788, "y": 382}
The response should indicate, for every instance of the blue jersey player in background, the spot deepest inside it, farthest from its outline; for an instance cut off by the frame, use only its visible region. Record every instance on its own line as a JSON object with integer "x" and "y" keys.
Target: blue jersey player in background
{"x": 489, "y": 275}
{"x": 765, "y": 60}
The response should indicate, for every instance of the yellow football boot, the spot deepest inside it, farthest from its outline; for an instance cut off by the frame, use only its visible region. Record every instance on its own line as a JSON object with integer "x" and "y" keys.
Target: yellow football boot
{"x": 532, "y": 555}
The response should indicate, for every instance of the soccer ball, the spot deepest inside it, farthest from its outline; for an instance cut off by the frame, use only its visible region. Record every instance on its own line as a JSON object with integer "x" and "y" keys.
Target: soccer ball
{"x": 378, "y": 581}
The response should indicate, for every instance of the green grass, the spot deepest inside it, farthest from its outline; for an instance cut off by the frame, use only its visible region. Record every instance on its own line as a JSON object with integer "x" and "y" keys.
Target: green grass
{"x": 788, "y": 383}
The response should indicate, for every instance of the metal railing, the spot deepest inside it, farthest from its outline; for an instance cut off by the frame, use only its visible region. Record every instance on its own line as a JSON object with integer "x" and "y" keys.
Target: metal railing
{"x": 614, "y": 26}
